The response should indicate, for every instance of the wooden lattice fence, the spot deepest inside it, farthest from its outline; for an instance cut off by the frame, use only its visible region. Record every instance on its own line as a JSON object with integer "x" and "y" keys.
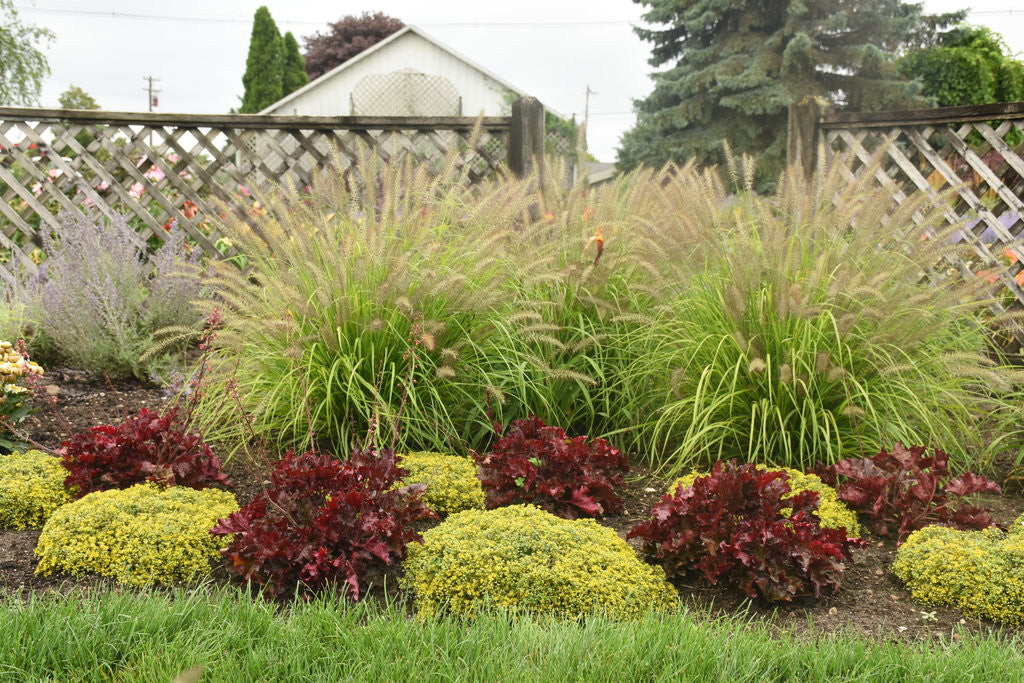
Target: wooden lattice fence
{"x": 975, "y": 153}
{"x": 159, "y": 168}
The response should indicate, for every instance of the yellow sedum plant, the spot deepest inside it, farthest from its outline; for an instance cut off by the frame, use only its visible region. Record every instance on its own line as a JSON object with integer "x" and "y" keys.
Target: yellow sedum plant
{"x": 31, "y": 488}
{"x": 525, "y": 560}
{"x": 832, "y": 512}
{"x": 979, "y": 572}
{"x": 452, "y": 482}
{"x": 140, "y": 536}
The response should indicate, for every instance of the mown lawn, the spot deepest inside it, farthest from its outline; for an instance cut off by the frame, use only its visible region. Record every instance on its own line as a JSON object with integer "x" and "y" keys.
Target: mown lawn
{"x": 154, "y": 637}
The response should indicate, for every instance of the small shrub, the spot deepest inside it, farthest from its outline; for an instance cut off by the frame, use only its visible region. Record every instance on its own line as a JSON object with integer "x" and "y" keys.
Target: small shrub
{"x": 96, "y": 301}
{"x": 31, "y": 488}
{"x": 741, "y": 524}
{"x": 831, "y": 512}
{"x": 140, "y": 536}
{"x": 979, "y": 572}
{"x": 535, "y": 463}
{"x": 452, "y": 482}
{"x": 524, "y": 559}
{"x": 16, "y": 372}
{"x": 147, "y": 447}
{"x": 905, "y": 490}
{"x": 324, "y": 524}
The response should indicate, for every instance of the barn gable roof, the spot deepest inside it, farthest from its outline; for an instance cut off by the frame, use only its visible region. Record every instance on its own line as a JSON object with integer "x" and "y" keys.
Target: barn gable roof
{"x": 381, "y": 46}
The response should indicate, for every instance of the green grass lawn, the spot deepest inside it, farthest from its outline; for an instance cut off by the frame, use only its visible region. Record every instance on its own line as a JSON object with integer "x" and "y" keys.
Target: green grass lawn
{"x": 154, "y": 637}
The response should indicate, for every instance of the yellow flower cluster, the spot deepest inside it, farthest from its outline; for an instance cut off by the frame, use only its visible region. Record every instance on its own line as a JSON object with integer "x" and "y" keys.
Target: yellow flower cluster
{"x": 523, "y": 559}
{"x": 14, "y": 366}
{"x": 979, "y": 572}
{"x": 31, "y": 488}
{"x": 832, "y": 512}
{"x": 451, "y": 481}
{"x": 141, "y": 535}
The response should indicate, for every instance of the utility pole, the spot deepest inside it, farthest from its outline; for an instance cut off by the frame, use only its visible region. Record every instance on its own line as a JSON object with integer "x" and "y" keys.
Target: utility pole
{"x": 151, "y": 92}
{"x": 586, "y": 114}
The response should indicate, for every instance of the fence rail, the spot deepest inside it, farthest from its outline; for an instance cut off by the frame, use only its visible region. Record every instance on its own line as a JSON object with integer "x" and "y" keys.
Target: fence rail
{"x": 159, "y": 168}
{"x": 971, "y": 156}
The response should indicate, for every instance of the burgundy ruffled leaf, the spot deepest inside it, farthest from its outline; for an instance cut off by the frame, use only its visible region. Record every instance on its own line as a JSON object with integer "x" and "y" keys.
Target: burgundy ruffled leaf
{"x": 905, "y": 489}
{"x": 729, "y": 525}
{"x": 147, "y": 447}
{"x": 324, "y": 524}
{"x": 539, "y": 464}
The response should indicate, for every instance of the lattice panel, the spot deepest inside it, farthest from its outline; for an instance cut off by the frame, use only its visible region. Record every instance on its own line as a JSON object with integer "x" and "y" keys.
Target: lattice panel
{"x": 187, "y": 172}
{"x": 405, "y": 93}
{"x": 982, "y": 161}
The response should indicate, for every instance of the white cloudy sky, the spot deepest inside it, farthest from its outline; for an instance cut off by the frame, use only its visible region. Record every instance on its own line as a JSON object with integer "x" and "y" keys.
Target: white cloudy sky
{"x": 550, "y": 48}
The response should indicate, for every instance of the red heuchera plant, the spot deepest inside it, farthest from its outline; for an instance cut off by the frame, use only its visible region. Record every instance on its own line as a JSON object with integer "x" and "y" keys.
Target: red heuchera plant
{"x": 534, "y": 463}
{"x": 323, "y": 523}
{"x": 905, "y": 490}
{"x": 147, "y": 447}
{"x": 730, "y": 525}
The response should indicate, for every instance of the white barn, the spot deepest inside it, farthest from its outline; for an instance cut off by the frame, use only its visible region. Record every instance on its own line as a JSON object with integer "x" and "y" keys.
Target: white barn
{"x": 409, "y": 73}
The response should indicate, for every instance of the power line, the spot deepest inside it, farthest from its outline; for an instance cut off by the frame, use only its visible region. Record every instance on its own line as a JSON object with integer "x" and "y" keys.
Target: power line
{"x": 116, "y": 14}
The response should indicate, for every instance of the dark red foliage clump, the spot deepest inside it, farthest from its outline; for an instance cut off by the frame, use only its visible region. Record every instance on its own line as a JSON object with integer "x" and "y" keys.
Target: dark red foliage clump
{"x": 905, "y": 490}
{"x": 323, "y": 523}
{"x": 534, "y": 463}
{"x": 147, "y": 447}
{"x": 730, "y": 525}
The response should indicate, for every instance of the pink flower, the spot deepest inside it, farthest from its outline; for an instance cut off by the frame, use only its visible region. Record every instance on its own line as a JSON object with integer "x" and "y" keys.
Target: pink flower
{"x": 102, "y": 186}
{"x": 37, "y": 189}
{"x": 155, "y": 174}
{"x": 136, "y": 190}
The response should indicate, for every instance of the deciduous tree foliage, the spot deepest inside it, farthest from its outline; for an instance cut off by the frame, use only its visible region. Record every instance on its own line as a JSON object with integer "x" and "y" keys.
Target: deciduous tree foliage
{"x": 264, "y": 67}
{"x": 294, "y": 65}
{"x": 22, "y": 65}
{"x": 970, "y": 65}
{"x": 732, "y": 67}
{"x": 76, "y": 98}
{"x": 346, "y": 38}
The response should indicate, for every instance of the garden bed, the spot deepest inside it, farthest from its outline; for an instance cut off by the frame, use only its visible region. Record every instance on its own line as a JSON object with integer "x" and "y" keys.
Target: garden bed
{"x": 871, "y": 602}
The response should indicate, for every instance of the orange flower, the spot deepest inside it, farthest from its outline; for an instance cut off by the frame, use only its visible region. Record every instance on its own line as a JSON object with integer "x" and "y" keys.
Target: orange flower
{"x": 588, "y": 213}
{"x": 189, "y": 210}
{"x": 1010, "y": 255}
{"x": 1019, "y": 278}
{"x": 549, "y": 216}
{"x": 597, "y": 237}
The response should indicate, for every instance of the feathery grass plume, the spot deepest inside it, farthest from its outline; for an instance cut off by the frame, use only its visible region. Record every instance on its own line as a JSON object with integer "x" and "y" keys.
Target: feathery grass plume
{"x": 380, "y": 291}
{"x": 850, "y": 347}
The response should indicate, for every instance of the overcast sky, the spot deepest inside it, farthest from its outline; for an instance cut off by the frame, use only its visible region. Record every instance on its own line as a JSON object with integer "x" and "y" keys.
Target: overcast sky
{"x": 552, "y": 49}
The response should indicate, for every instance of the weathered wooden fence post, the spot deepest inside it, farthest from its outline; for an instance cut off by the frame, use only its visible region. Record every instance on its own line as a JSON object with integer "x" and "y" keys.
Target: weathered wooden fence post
{"x": 802, "y": 135}
{"x": 526, "y": 136}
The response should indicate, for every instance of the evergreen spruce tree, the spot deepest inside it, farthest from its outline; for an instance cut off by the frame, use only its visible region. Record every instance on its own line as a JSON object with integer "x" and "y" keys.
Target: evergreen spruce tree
{"x": 734, "y": 67}
{"x": 264, "y": 67}
{"x": 294, "y": 75}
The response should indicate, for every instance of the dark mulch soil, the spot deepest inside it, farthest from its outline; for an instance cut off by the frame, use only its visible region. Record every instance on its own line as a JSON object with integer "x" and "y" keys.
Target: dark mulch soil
{"x": 871, "y": 602}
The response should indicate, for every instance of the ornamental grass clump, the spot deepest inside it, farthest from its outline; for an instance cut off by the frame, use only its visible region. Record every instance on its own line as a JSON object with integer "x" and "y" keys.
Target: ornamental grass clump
{"x": 744, "y": 525}
{"x": 831, "y": 512}
{"x": 810, "y": 325}
{"x": 31, "y": 488}
{"x": 452, "y": 482}
{"x": 140, "y": 536}
{"x": 528, "y": 561}
{"x": 978, "y": 572}
{"x": 100, "y": 294}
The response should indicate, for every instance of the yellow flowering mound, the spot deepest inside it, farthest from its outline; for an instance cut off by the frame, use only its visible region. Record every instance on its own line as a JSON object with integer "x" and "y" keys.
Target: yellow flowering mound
{"x": 979, "y": 572}
{"x": 31, "y": 488}
{"x": 832, "y": 512}
{"x": 524, "y": 559}
{"x": 451, "y": 481}
{"x": 140, "y": 536}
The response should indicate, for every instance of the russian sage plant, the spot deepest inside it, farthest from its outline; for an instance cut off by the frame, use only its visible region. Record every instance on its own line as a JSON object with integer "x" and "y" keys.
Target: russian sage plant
{"x": 99, "y": 295}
